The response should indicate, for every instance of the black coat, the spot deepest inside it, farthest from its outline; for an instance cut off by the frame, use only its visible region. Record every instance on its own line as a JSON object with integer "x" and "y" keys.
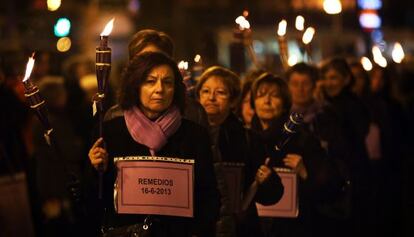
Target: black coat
{"x": 236, "y": 144}
{"x": 312, "y": 190}
{"x": 189, "y": 142}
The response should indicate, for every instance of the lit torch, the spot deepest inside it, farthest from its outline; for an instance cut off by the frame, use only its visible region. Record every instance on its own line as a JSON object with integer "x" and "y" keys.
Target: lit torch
{"x": 37, "y": 103}
{"x": 306, "y": 40}
{"x": 283, "y": 47}
{"x": 378, "y": 58}
{"x": 397, "y": 53}
{"x": 244, "y": 33}
{"x": 103, "y": 69}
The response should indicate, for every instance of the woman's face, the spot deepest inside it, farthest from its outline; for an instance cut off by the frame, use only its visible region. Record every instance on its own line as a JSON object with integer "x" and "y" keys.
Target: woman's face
{"x": 247, "y": 111}
{"x": 301, "y": 88}
{"x": 333, "y": 82}
{"x": 157, "y": 91}
{"x": 268, "y": 103}
{"x": 215, "y": 97}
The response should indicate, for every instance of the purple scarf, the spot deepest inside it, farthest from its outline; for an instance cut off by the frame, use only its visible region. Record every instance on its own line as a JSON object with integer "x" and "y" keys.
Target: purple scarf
{"x": 153, "y": 134}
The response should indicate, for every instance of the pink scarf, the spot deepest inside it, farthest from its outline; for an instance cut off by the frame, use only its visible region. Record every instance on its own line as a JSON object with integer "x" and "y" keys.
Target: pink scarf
{"x": 153, "y": 134}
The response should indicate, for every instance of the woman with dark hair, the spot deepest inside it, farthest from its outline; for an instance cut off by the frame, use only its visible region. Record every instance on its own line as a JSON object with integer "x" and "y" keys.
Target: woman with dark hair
{"x": 302, "y": 154}
{"x": 218, "y": 91}
{"x": 149, "y": 40}
{"x": 152, "y": 99}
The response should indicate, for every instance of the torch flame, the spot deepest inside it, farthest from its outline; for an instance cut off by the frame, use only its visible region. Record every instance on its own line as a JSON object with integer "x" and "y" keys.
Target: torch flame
{"x": 366, "y": 64}
{"x": 300, "y": 23}
{"x": 281, "y": 30}
{"x": 183, "y": 65}
{"x": 398, "y": 53}
{"x": 293, "y": 59}
{"x": 378, "y": 58}
{"x": 242, "y": 22}
{"x": 29, "y": 68}
{"x": 308, "y": 35}
{"x": 197, "y": 58}
{"x": 108, "y": 28}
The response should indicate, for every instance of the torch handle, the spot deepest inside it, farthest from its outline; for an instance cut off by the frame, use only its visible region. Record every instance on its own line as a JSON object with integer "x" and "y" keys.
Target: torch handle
{"x": 283, "y": 52}
{"x": 249, "y": 195}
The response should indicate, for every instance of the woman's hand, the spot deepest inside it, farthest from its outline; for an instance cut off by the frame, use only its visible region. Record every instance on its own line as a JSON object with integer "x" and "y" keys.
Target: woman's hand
{"x": 264, "y": 172}
{"x": 98, "y": 156}
{"x": 295, "y": 162}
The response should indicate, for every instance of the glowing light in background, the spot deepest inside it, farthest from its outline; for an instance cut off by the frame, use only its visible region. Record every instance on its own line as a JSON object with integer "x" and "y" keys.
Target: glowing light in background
{"x": 370, "y": 4}
{"x": 293, "y": 59}
{"x": 308, "y": 35}
{"x": 53, "y": 5}
{"x": 242, "y": 22}
{"x": 378, "y": 58}
{"x": 398, "y": 53}
{"x": 183, "y": 65}
{"x": 197, "y": 58}
{"x": 332, "y": 6}
{"x": 63, "y": 44}
{"x": 366, "y": 64}
{"x": 370, "y": 20}
{"x": 62, "y": 27}
{"x": 300, "y": 23}
{"x": 281, "y": 29}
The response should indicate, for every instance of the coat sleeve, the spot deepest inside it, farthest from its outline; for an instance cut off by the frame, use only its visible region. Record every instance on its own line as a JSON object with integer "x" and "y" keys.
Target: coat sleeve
{"x": 271, "y": 191}
{"x": 207, "y": 195}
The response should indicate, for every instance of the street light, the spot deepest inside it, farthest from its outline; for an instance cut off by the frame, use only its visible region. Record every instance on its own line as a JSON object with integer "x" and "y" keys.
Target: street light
{"x": 332, "y": 7}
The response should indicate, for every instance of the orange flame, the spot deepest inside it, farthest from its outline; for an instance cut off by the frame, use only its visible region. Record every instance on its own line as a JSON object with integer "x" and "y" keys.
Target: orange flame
{"x": 281, "y": 30}
{"x": 29, "y": 67}
{"x": 308, "y": 35}
{"x": 108, "y": 28}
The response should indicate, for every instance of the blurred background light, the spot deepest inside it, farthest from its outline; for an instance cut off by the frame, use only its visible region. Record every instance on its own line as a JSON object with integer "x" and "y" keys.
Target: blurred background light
{"x": 62, "y": 27}
{"x": 63, "y": 44}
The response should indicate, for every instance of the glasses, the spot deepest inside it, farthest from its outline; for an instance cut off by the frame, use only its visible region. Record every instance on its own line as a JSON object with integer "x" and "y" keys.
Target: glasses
{"x": 218, "y": 93}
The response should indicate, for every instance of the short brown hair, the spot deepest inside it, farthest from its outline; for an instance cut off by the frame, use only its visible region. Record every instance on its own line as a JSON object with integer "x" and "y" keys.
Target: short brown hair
{"x": 143, "y": 38}
{"x": 230, "y": 79}
{"x": 136, "y": 72}
{"x": 279, "y": 82}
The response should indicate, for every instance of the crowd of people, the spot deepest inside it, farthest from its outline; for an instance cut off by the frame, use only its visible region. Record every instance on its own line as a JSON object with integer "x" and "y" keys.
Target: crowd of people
{"x": 350, "y": 155}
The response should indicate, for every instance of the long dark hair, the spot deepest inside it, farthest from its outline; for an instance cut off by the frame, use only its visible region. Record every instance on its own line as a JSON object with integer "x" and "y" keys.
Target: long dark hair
{"x": 136, "y": 72}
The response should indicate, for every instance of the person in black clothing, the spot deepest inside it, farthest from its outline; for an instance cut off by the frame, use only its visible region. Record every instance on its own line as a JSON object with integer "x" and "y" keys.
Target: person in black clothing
{"x": 152, "y": 99}
{"x": 218, "y": 91}
{"x": 334, "y": 88}
{"x": 303, "y": 154}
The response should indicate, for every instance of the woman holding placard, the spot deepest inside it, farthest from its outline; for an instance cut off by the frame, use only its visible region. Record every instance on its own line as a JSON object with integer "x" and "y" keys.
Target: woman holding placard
{"x": 152, "y": 99}
{"x": 218, "y": 91}
{"x": 302, "y": 153}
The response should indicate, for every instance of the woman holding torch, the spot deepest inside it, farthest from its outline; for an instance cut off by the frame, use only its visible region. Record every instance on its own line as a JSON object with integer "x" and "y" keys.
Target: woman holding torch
{"x": 218, "y": 92}
{"x": 152, "y": 100}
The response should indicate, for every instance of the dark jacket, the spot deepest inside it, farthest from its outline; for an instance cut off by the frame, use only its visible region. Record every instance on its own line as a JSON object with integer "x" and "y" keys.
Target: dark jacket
{"x": 189, "y": 142}
{"x": 353, "y": 120}
{"x": 311, "y": 190}
{"x": 238, "y": 145}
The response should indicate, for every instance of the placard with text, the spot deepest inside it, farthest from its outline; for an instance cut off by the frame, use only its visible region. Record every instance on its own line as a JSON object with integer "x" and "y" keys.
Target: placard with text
{"x": 155, "y": 185}
{"x": 288, "y": 205}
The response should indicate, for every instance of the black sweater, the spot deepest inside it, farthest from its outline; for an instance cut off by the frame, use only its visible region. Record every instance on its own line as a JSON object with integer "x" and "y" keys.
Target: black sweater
{"x": 191, "y": 141}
